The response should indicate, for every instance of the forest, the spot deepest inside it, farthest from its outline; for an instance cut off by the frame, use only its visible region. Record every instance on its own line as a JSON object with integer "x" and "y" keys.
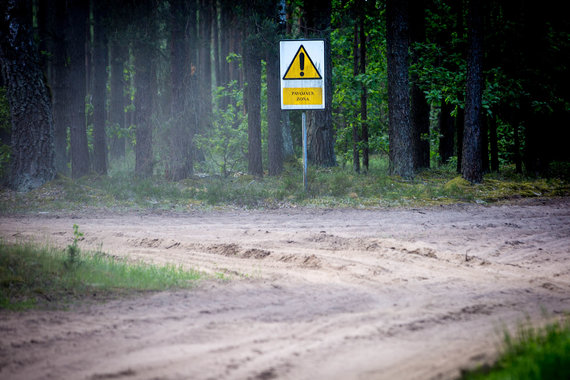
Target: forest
{"x": 180, "y": 88}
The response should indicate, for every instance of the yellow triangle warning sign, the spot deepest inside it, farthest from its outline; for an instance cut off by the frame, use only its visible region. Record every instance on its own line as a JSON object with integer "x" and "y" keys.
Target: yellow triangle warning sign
{"x": 302, "y": 67}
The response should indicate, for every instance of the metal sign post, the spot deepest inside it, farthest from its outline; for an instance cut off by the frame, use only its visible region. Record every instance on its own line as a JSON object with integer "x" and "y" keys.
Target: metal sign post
{"x": 302, "y": 71}
{"x": 305, "y": 181}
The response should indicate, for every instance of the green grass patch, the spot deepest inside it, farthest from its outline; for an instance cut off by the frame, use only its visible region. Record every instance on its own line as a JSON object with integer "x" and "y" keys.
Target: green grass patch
{"x": 328, "y": 187}
{"x": 46, "y": 277}
{"x": 532, "y": 354}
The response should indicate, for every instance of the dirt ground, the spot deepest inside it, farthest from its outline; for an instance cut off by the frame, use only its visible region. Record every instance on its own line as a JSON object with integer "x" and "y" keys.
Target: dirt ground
{"x": 312, "y": 294}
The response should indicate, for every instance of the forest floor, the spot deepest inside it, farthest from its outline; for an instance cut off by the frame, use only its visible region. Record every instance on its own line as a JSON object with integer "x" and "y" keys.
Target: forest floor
{"x": 300, "y": 293}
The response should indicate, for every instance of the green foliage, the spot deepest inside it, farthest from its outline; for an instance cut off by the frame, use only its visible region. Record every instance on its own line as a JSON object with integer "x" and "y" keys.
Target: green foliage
{"x": 533, "y": 354}
{"x": 32, "y": 276}
{"x": 346, "y": 104}
{"x": 73, "y": 250}
{"x": 225, "y": 144}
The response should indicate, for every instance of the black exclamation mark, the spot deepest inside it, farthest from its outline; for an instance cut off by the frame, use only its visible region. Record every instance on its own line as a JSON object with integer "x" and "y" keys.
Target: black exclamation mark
{"x": 302, "y": 63}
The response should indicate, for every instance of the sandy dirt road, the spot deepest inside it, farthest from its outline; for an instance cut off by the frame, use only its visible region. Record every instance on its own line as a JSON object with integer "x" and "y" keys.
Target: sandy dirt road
{"x": 313, "y": 294}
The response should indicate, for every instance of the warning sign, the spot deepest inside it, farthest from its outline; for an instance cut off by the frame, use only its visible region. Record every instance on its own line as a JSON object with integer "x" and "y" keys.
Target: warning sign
{"x": 302, "y": 96}
{"x": 302, "y": 69}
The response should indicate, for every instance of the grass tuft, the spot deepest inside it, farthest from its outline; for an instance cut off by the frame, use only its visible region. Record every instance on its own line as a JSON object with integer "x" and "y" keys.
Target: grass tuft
{"x": 533, "y": 354}
{"x": 45, "y": 277}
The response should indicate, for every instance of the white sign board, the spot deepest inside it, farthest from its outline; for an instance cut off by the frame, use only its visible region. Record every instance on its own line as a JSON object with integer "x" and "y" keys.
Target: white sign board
{"x": 302, "y": 71}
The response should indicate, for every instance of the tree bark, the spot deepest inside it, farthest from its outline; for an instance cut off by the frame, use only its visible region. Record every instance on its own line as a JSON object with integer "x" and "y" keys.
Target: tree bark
{"x": 288, "y": 150}
{"x": 117, "y": 104}
{"x": 32, "y": 158}
{"x": 472, "y": 169}
{"x": 143, "y": 50}
{"x": 99, "y": 90}
{"x": 459, "y": 127}
{"x": 363, "y": 90}
{"x": 400, "y": 129}
{"x": 446, "y": 132}
{"x": 493, "y": 142}
{"x": 77, "y": 15}
{"x": 419, "y": 105}
{"x": 355, "y": 72}
{"x": 60, "y": 89}
{"x": 252, "y": 71}
{"x": 274, "y": 138}
{"x": 205, "y": 63}
{"x": 320, "y": 133}
{"x": 180, "y": 163}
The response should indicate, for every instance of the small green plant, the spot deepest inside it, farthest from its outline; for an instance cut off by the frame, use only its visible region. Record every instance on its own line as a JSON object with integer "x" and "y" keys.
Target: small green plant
{"x": 73, "y": 250}
{"x": 533, "y": 354}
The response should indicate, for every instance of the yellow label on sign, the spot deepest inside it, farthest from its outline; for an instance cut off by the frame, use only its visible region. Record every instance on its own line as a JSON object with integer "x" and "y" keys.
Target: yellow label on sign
{"x": 302, "y": 96}
{"x": 302, "y": 67}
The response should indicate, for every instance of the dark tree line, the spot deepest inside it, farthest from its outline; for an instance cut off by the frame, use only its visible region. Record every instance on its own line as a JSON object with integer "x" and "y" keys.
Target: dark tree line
{"x": 188, "y": 83}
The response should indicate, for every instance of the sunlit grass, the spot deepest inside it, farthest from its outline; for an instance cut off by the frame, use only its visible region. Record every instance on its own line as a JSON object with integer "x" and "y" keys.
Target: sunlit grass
{"x": 327, "y": 187}
{"x": 33, "y": 276}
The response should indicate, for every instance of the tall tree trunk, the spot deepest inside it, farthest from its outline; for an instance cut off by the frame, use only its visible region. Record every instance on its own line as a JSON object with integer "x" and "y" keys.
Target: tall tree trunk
{"x": 320, "y": 133}
{"x": 60, "y": 89}
{"x": 355, "y": 72}
{"x": 419, "y": 105}
{"x": 493, "y": 142}
{"x": 400, "y": 129}
{"x": 252, "y": 71}
{"x": 363, "y": 90}
{"x": 32, "y": 158}
{"x": 288, "y": 150}
{"x": 216, "y": 31}
{"x": 446, "y": 132}
{"x": 472, "y": 169}
{"x": 274, "y": 138}
{"x": 117, "y": 104}
{"x": 180, "y": 143}
{"x": 205, "y": 63}
{"x": 77, "y": 15}
{"x": 145, "y": 78}
{"x": 517, "y": 144}
{"x": 459, "y": 127}
{"x": 99, "y": 90}
{"x": 485, "y": 143}
{"x": 226, "y": 34}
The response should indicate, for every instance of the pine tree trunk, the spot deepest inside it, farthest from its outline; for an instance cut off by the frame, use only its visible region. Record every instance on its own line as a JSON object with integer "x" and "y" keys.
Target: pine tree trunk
{"x": 400, "y": 129}
{"x": 493, "y": 142}
{"x": 459, "y": 127}
{"x": 364, "y": 90}
{"x": 472, "y": 168}
{"x": 32, "y": 158}
{"x": 485, "y": 143}
{"x": 446, "y": 132}
{"x": 77, "y": 17}
{"x": 180, "y": 139}
{"x": 355, "y": 72}
{"x": 60, "y": 89}
{"x": 117, "y": 105}
{"x": 320, "y": 133}
{"x": 226, "y": 35}
{"x": 419, "y": 105}
{"x": 288, "y": 150}
{"x": 205, "y": 64}
{"x": 145, "y": 78}
{"x": 274, "y": 138}
{"x": 99, "y": 91}
{"x": 252, "y": 71}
